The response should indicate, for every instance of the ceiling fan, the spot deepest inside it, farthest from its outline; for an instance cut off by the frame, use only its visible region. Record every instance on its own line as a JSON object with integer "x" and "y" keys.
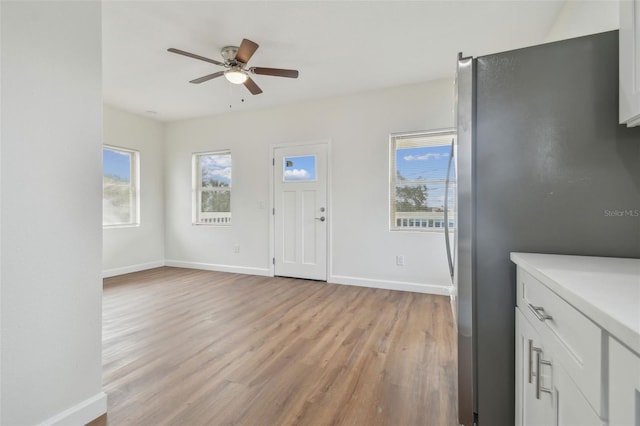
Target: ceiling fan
{"x": 235, "y": 62}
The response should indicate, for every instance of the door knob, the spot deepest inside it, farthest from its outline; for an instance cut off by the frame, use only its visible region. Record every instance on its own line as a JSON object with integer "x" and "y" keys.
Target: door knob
{"x": 321, "y": 218}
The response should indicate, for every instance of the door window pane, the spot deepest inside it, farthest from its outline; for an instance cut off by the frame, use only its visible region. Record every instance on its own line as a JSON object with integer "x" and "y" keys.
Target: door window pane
{"x": 299, "y": 169}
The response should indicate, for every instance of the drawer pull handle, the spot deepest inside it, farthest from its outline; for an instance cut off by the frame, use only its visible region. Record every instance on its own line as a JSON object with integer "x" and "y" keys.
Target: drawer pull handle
{"x": 538, "y": 311}
{"x": 539, "y": 363}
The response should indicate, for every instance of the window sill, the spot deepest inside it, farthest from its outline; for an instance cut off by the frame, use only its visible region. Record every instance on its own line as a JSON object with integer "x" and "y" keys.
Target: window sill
{"x": 438, "y": 230}
{"x": 133, "y": 225}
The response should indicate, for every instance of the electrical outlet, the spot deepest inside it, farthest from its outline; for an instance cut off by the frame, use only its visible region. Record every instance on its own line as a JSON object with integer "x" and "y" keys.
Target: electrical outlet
{"x": 236, "y": 248}
{"x": 400, "y": 260}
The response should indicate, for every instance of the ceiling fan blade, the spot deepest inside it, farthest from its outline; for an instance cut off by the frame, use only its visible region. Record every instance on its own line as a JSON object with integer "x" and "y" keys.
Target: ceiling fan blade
{"x": 277, "y": 72}
{"x": 207, "y": 77}
{"x": 252, "y": 86}
{"x": 246, "y": 50}
{"x": 194, "y": 56}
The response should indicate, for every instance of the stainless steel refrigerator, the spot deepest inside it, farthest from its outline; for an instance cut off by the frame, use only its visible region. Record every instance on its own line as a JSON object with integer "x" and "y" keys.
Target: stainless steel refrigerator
{"x": 543, "y": 166}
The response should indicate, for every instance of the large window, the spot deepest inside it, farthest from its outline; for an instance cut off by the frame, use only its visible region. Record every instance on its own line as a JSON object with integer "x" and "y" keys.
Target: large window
{"x": 418, "y": 177}
{"x": 120, "y": 187}
{"x": 212, "y": 188}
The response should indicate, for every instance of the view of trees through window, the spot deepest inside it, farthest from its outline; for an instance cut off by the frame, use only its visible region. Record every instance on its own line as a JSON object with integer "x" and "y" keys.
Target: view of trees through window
{"x": 418, "y": 184}
{"x": 212, "y": 176}
{"x": 119, "y": 187}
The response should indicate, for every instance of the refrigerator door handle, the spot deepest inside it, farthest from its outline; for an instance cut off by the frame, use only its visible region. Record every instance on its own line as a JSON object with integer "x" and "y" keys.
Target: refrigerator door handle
{"x": 446, "y": 213}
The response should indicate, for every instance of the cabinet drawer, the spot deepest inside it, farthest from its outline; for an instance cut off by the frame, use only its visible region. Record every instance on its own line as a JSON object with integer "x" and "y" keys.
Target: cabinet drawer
{"x": 573, "y": 338}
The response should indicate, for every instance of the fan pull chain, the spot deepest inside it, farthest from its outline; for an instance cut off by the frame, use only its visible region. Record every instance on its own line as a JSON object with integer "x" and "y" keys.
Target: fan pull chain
{"x": 234, "y": 91}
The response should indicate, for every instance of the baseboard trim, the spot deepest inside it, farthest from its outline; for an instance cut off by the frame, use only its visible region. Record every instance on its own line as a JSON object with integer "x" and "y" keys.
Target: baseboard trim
{"x": 80, "y": 414}
{"x": 219, "y": 268}
{"x": 390, "y": 285}
{"x": 248, "y": 270}
{"x": 132, "y": 268}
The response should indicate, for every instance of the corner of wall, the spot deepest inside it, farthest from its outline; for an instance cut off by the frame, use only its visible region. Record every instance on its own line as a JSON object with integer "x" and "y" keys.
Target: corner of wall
{"x": 131, "y": 249}
{"x": 580, "y": 18}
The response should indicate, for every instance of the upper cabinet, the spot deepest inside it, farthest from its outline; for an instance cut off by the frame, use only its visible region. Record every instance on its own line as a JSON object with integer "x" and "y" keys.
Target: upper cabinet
{"x": 630, "y": 62}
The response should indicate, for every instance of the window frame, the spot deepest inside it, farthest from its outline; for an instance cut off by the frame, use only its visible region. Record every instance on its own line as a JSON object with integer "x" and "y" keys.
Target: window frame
{"x": 197, "y": 190}
{"x": 134, "y": 185}
{"x": 433, "y": 138}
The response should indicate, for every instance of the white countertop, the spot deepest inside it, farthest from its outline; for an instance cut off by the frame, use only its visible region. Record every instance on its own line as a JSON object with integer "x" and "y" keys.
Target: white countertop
{"x": 604, "y": 289}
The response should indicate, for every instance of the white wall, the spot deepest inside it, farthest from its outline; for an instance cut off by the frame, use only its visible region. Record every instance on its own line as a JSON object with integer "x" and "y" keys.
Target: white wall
{"x": 581, "y": 17}
{"x": 363, "y": 250}
{"x": 0, "y": 219}
{"x": 129, "y": 249}
{"x": 51, "y": 210}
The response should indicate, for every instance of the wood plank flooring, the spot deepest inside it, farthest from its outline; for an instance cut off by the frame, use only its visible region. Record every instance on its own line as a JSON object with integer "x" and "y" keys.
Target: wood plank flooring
{"x": 188, "y": 347}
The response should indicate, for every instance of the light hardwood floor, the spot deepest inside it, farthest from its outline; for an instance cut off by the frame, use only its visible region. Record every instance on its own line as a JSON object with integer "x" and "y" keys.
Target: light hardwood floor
{"x": 188, "y": 347}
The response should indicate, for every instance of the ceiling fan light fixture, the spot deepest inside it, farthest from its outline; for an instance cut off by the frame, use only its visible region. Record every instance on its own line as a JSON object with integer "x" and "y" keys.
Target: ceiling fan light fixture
{"x": 235, "y": 63}
{"x": 236, "y": 75}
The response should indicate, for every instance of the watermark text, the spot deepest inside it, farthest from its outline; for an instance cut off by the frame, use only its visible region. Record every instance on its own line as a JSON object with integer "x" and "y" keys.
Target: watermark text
{"x": 622, "y": 213}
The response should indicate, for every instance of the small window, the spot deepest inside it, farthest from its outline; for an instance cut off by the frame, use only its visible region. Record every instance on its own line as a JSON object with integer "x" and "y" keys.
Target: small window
{"x": 120, "y": 187}
{"x": 212, "y": 188}
{"x": 419, "y": 163}
{"x": 299, "y": 169}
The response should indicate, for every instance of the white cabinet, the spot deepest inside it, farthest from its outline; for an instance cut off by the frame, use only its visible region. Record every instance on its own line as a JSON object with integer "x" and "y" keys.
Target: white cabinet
{"x": 582, "y": 317}
{"x": 546, "y": 395}
{"x": 624, "y": 385}
{"x": 571, "y": 408}
{"x": 630, "y": 62}
{"x": 533, "y": 405}
{"x": 574, "y": 340}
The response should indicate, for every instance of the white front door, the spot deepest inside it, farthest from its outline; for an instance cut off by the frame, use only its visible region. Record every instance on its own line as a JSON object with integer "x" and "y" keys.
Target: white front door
{"x": 300, "y": 200}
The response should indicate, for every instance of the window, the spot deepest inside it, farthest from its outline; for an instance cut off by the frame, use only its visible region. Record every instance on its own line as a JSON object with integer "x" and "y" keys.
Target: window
{"x": 212, "y": 188}
{"x": 418, "y": 174}
{"x": 299, "y": 169}
{"x": 120, "y": 187}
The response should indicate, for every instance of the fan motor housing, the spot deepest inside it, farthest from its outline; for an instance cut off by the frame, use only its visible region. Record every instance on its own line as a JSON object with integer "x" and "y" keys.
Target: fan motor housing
{"x": 229, "y": 53}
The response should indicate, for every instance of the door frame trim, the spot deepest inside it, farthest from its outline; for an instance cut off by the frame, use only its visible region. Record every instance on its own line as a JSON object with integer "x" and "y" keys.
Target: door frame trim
{"x": 272, "y": 241}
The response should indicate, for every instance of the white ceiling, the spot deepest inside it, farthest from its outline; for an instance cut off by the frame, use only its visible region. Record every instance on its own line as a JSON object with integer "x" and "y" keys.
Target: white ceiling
{"x": 339, "y": 47}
